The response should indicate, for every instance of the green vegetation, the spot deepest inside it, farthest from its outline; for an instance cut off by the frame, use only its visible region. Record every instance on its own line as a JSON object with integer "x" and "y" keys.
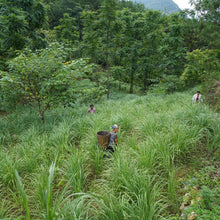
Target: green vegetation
{"x": 35, "y": 79}
{"x": 56, "y": 170}
{"x": 124, "y": 40}
{"x": 59, "y": 56}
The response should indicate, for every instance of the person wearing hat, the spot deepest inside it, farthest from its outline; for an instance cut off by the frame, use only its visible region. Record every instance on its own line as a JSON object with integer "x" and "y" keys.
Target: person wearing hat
{"x": 197, "y": 97}
{"x": 91, "y": 109}
{"x": 113, "y": 139}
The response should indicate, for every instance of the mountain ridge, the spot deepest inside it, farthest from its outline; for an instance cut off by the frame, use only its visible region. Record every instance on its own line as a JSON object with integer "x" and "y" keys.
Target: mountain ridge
{"x": 168, "y": 6}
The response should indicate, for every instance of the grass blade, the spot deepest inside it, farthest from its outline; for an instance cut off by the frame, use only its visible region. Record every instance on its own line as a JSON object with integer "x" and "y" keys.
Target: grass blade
{"x": 22, "y": 194}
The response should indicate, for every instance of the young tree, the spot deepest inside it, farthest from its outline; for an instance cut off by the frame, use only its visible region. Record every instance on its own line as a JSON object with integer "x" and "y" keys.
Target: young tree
{"x": 42, "y": 78}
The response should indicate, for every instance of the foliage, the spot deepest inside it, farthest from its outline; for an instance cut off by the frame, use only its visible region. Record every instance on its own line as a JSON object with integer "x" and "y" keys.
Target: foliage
{"x": 145, "y": 43}
{"x": 142, "y": 47}
{"x": 57, "y": 8}
{"x": 173, "y": 47}
{"x": 202, "y": 194}
{"x": 23, "y": 194}
{"x": 207, "y": 14}
{"x": 168, "y": 84}
{"x": 38, "y": 79}
{"x": 213, "y": 94}
{"x": 20, "y": 23}
{"x": 207, "y": 9}
{"x": 137, "y": 49}
{"x": 202, "y": 66}
{"x": 159, "y": 134}
{"x": 67, "y": 31}
{"x": 149, "y": 55}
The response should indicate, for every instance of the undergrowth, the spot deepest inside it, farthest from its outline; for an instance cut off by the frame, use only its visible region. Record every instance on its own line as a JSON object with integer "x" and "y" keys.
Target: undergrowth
{"x": 56, "y": 170}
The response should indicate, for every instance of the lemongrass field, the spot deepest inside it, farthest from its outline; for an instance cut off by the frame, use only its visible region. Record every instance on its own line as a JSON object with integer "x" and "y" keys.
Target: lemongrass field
{"x": 56, "y": 170}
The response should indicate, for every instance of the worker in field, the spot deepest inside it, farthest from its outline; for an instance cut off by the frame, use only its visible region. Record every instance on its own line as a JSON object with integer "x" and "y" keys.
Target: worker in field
{"x": 113, "y": 140}
{"x": 91, "y": 109}
{"x": 197, "y": 98}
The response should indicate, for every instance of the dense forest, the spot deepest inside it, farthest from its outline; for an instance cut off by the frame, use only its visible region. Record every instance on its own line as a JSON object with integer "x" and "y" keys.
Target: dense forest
{"x": 100, "y": 44}
{"x": 140, "y": 68}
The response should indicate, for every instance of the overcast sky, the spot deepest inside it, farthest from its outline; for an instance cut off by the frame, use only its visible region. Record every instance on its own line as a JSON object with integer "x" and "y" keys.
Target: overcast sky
{"x": 183, "y": 4}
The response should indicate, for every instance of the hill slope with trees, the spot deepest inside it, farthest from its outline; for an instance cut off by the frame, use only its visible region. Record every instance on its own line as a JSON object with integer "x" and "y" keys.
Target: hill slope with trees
{"x": 140, "y": 68}
{"x": 168, "y": 6}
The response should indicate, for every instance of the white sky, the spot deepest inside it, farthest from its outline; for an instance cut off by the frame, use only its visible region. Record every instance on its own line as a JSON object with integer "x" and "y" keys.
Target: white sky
{"x": 183, "y": 4}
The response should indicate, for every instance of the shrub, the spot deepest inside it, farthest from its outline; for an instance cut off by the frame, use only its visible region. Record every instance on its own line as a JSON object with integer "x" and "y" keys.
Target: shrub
{"x": 42, "y": 79}
{"x": 201, "y": 67}
{"x": 168, "y": 84}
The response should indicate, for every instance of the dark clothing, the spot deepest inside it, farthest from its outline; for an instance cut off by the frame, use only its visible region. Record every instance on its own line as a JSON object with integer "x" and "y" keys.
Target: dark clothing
{"x": 112, "y": 138}
{"x": 108, "y": 152}
{"x": 110, "y": 149}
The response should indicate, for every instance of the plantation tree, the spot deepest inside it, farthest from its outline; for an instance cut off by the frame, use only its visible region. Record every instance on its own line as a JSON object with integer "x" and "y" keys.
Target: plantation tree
{"x": 190, "y": 31}
{"x": 57, "y": 8}
{"x": 135, "y": 45}
{"x": 107, "y": 20}
{"x": 130, "y": 43}
{"x": 207, "y": 9}
{"x": 207, "y": 14}
{"x": 20, "y": 23}
{"x": 117, "y": 51}
{"x": 90, "y": 36}
{"x": 43, "y": 79}
{"x": 67, "y": 31}
{"x": 99, "y": 29}
{"x": 201, "y": 67}
{"x": 118, "y": 73}
{"x": 149, "y": 56}
{"x": 133, "y": 6}
{"x": 171, "y": 52}
{"x": 173, "y": 47}
{"x": 12, "y": 32}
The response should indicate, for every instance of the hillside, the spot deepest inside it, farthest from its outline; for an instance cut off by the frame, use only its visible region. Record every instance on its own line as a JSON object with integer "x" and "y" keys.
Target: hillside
{"x": 162, "y": 5}
{"x": 167, "y": 148}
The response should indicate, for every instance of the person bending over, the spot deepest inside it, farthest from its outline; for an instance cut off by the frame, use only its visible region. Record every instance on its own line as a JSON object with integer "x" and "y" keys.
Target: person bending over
{"x": 113, "y": 141}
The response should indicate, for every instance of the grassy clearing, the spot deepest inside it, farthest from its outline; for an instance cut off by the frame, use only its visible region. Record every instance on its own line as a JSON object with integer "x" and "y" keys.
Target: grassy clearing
{"x": 56, "y": 170}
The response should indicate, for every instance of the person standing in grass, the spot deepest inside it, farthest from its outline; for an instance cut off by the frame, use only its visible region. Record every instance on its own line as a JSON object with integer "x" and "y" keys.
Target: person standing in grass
{"x": 113, "y": 140}
{"x": 91, "y": 109}
{"x": 197, "y": 97}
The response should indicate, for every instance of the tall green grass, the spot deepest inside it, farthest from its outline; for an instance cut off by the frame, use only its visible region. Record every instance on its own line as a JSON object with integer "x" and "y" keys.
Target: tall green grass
{"x": 24, "y": 198}
{"x": 157, "y": 135}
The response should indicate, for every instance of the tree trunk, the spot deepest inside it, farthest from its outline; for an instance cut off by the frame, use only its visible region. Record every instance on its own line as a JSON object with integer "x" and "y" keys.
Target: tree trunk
{"x": 132, "y": 82}
{"x": 107, "y": 65}
{"x": 41, "y": 112}
{"x": 108, "y": 84}
{"x": 145, "y": 81}
{"x": 42, "y": 117}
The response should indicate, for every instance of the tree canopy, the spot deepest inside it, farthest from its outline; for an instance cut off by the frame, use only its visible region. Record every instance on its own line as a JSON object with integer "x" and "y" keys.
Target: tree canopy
{"x": 127, "y": 43}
